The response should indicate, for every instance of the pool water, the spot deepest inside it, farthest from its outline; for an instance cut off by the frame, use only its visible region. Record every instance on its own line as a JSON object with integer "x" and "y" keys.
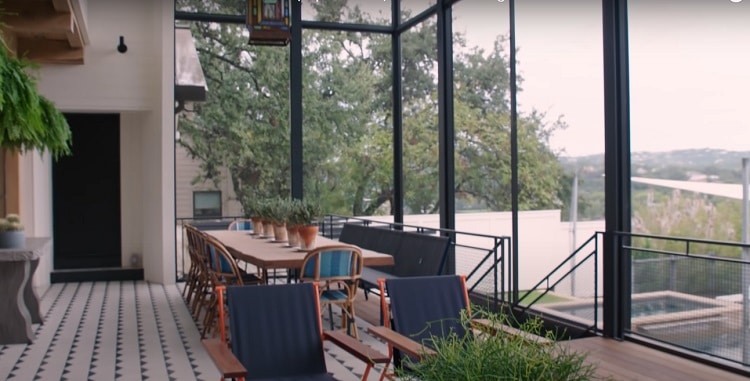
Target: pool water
{"x": 657, "y": 305}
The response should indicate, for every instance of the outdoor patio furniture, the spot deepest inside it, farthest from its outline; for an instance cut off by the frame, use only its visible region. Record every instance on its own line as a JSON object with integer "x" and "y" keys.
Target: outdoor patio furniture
{"x": 414, "y": 254}
{"x": 276, "y": 333}
{"x": 267, "y": 255}
{"x": 242, "y": 225}
{"x": 420, "y": 308}
{"x": 336, "y": 269}
{"x": 18, "y": 301}
{"x": 223, "y": 271}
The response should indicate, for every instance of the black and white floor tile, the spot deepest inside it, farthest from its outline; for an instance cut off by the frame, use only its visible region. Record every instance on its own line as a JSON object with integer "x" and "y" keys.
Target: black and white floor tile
{"x": 129, "y": 331}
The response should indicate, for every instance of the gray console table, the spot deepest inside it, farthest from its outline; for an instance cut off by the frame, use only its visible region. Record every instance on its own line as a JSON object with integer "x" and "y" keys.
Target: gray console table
{"x": 18, "y": 301}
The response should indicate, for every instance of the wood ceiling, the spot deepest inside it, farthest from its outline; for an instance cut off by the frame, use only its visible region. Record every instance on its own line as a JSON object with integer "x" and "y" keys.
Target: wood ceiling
{"x": 43, "y": 31}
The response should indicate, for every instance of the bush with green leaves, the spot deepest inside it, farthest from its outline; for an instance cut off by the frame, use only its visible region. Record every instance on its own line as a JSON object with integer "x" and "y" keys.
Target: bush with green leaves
{"x": 480, "y": 356}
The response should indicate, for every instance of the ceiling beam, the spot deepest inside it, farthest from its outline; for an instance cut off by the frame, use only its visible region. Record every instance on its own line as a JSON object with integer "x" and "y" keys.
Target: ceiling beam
{"x": 49, "y": 51}
{"x": 39, "y": 21}
{"x": 45, "y": 24}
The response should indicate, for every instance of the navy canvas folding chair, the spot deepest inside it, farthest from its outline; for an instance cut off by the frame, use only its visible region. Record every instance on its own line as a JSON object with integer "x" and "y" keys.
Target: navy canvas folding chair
{"x": 421, "y": 308}
{"x": 277, "y": 334}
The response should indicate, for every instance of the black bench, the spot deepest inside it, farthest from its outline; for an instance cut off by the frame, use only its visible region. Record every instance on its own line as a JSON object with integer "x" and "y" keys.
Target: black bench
{"x": 414, "y": 254}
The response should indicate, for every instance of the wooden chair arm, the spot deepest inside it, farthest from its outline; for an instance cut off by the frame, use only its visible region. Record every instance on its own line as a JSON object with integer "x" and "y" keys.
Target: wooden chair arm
{"x": 224, "y": 359}
{"x": 358, "y": 349}
{"x": 401, "y": 342}
{"x": 494, "y": 328}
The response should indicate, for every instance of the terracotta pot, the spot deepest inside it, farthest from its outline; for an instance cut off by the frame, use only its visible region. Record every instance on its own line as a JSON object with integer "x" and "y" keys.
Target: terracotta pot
{"x": 307, "y": 236}
{"x": 267, "y": 229}
{"x": 257, "y": 225}
{"x": 292, "y": 235}
{"x": 279, "y": 232}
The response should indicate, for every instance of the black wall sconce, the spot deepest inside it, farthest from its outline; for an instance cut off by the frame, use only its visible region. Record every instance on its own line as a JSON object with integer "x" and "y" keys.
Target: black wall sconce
{"x": 121, "y": 47}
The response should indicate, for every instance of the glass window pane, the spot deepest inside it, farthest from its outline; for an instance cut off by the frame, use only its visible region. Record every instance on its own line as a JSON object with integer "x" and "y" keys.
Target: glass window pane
{"x": 420, "y": 119}
{"x": 560, "y": 141}
{"x": 482, "y": 126}
{"x": 689, "y": 125}
{"x": 411, "y": 8}
{"x": 207, "y": 203}
{"x": 223, "y": 7}
{"x": 376, "y": 12}
{"x": 347, "y": 129}
{"x": 237, "y": 139}
{"x": 689, "y": 134}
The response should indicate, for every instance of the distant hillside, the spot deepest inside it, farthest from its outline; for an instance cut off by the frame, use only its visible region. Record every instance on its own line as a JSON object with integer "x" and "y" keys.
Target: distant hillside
{"x": 716, "y": 165}
{"x": 712, "y": 165}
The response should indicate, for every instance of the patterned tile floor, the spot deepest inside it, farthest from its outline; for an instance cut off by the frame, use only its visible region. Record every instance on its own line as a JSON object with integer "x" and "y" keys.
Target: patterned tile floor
{"x": 128, "y": 331}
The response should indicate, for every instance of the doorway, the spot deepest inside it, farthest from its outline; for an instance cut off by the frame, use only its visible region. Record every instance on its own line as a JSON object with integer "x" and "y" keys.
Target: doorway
{"x": 86, "y": 195}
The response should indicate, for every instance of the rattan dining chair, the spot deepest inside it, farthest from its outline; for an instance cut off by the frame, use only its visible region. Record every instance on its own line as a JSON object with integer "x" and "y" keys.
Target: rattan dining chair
{"x": 337, "y": 269}
{"x": 223, "y": 271}
{"x": 242, "y": 224}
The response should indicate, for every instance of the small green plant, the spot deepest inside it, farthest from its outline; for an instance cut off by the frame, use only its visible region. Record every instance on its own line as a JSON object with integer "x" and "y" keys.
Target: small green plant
{"x": 11, "y": 222}
{"x": 309, "y": 212}
{"x": 250, "y": 205}
{"x": 296, "y": 213}
{"x": 480, "y": 356}
{"x": 279, "y": 209}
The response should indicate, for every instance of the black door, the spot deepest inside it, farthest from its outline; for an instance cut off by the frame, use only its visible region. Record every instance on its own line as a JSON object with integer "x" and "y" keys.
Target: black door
{"x": 86, "y": 195}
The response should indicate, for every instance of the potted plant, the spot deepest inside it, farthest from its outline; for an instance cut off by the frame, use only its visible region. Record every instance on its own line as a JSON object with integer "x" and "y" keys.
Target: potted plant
{"x": 28, "y": 121}
{"x": 279, "y": 213}
{"x": 11, "y": 232}
{"x": 251, "y": 208}
{"x": 295, "y": 219}
{"x": 308, "y": 229}
{"x": 265, "y": 211}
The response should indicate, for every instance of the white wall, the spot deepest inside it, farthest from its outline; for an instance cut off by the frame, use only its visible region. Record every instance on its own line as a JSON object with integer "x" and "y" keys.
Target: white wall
{"x": 35, "y": 179}
{"x": 139, "y": 85}
{"x": 131, "y": 184}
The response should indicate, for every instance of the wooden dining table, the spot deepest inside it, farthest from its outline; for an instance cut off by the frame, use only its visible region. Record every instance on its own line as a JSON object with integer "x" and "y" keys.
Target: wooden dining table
{"x": 267, "y": 254}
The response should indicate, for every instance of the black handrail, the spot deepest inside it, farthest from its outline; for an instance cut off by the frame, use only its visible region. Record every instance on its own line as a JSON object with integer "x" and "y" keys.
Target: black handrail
{"x": 497, "y": 252}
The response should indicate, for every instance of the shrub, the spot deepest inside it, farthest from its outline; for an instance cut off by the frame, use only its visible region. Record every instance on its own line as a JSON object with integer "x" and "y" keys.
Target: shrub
{"x": 479, "y": 357}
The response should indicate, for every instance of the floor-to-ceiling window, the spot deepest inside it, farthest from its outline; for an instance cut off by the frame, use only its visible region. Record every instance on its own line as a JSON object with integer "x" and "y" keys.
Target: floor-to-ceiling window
{"x": 420, "y": 122}
{"x": 689, "y": 133}
{"x": 481, "y": 106}
{"x": 560, "y": 140}
{"x": 347, "y": 106}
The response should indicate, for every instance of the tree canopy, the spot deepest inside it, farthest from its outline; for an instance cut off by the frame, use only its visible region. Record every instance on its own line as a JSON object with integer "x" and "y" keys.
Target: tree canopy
{"x": 347, "y": 110}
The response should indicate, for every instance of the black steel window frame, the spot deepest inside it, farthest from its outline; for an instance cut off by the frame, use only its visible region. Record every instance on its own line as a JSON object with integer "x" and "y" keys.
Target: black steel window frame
{"x": 616, "y": 269}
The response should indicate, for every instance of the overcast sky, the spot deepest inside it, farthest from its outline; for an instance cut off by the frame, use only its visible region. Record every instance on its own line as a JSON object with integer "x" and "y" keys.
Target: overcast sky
{"x": 689, "y": 67}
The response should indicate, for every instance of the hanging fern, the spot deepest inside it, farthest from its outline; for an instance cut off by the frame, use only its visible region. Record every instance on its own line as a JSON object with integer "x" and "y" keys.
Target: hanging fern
{"x": 28, "y": 121}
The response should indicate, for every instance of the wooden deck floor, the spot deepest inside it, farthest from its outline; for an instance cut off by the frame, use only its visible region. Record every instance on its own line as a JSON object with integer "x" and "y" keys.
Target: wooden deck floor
{"x": 623, "y": 360}
{"x": 616, "y": 360}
